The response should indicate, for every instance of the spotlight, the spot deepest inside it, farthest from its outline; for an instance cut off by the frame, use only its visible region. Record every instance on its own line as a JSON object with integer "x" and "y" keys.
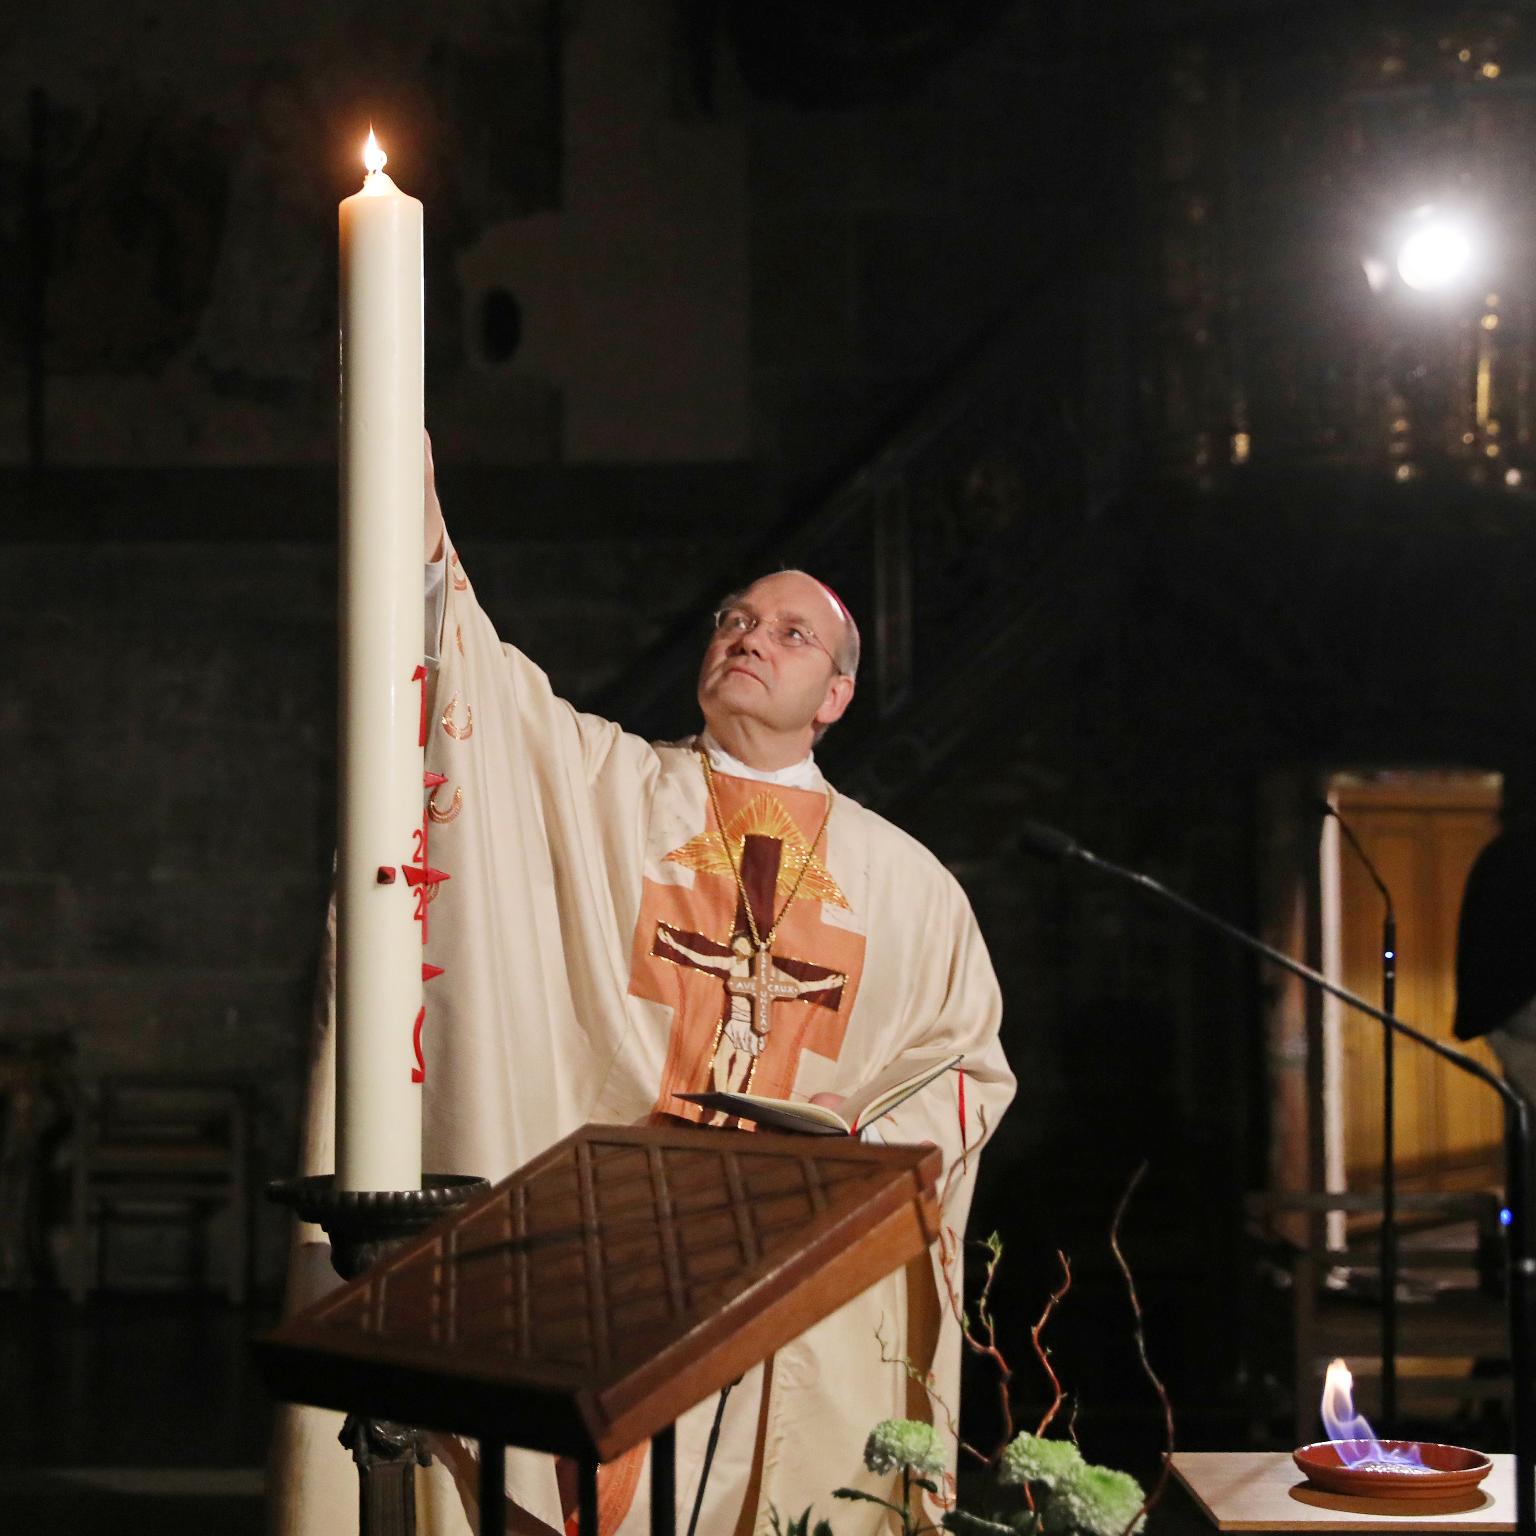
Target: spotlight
{"x": 1436, "y": 253}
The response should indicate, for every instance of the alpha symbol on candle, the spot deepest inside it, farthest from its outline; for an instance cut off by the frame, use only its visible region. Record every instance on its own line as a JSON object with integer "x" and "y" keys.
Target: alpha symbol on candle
{"x": 374, "y": 158}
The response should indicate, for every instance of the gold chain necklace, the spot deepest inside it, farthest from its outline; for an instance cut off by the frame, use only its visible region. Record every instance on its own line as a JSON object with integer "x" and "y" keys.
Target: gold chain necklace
{"x": 758, "y": 941}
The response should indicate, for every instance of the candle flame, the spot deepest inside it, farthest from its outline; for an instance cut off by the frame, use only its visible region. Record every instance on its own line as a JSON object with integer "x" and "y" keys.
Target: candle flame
{"x": 373, "y": 157}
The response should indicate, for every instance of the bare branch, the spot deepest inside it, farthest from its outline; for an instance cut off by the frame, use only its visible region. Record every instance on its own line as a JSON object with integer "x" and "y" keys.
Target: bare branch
{"x": 949, "y": 1253}
{"x": 1149, "y": 1503}
{"x": 927, "y": 1381}
{"x": 994, "y": 1248}
{"x": 986, "y": 1347}
{"x": 1042, "y": 1354}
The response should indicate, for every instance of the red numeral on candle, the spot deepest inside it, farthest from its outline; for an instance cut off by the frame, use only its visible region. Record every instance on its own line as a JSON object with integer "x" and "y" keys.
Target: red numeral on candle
{"x": 420, "y": 676}
{"x": 419, "y": 1071}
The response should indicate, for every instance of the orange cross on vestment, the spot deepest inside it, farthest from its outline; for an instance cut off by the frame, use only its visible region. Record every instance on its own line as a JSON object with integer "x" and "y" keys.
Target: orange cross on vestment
{"x": 795, "y": 996}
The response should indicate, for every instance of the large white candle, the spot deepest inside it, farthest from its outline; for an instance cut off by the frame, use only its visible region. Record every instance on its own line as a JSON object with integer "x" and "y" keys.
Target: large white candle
{"x": 379, "y": 991}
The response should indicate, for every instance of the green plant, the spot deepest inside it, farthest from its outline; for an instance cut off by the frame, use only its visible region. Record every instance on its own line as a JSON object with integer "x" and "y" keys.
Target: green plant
{"x": 799, "y": 1527}
{"x": 1039, "y": 1486}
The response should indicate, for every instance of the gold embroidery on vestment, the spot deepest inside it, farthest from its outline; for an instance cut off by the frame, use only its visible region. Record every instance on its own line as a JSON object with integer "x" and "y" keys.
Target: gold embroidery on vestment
{"x": 458, "y": 638}
{"x": 460, "y": 581}
{"x": 763, "y": 816}
{"x": 458, "y": 732}
{"x": 441, "y": 817}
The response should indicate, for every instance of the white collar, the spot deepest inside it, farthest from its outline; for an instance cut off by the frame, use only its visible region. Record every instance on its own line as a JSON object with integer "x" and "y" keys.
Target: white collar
{"x": 801, "y": 775}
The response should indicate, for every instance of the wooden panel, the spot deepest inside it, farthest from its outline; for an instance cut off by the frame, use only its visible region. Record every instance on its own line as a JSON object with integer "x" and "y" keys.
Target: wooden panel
{"x": 1422, "y": 834}
{"x": 612, "y": 1283}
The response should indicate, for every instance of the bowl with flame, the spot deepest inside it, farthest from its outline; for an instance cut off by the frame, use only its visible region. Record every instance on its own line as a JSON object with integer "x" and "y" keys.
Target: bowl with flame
{"x": 1354, "y": 1460}
{"x": 1392, "y": 1469}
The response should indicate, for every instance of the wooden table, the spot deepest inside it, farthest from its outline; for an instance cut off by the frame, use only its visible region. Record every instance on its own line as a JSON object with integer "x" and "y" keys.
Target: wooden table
{"x": 1265, "y": 1491}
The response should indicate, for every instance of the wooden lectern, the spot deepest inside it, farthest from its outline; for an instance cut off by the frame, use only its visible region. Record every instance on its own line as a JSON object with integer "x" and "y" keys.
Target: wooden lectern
{"x": 616, "y": 1280}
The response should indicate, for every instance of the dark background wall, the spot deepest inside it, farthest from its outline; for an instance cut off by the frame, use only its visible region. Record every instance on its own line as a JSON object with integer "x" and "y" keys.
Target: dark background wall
{"x": 690, "y": 267}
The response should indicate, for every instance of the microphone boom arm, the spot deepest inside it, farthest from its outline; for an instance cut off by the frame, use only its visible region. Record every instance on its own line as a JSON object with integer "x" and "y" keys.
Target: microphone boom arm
{"x": 1156, "y": 888}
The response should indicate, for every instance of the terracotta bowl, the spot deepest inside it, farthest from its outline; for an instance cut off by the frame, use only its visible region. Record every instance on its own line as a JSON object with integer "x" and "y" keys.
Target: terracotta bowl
{"x": 1452, "y": 1469}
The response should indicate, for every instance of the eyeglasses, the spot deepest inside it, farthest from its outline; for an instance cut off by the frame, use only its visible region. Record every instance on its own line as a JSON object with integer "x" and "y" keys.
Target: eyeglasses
{"x": 791, "y": 634}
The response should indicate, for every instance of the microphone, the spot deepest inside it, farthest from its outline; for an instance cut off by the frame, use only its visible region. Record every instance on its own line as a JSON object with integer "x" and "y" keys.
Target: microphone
{"x": 1327, "y": 808}
{"x": 1047, "y": 841}
{"x": 1051, "y": 843}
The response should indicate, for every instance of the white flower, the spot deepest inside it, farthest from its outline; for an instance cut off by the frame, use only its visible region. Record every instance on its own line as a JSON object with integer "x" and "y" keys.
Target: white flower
{"x": 896, "y": 1443}
{"x": 1098, "y": 1501}
{"x": 1033, "y": 1459}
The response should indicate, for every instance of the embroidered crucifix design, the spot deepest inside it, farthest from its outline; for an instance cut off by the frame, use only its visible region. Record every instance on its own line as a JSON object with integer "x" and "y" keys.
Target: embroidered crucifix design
{"x": 755, "y": 980}
{"x": 691, "y": 938}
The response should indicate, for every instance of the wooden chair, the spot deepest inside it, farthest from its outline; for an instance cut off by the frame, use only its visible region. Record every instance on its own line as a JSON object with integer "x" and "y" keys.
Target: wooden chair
{"x": 156, "y": 1151}
{"x": 1451, "y": 1308}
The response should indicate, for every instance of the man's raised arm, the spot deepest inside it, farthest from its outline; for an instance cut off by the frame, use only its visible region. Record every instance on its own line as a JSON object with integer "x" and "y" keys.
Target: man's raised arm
{"x": 540, "y": 722}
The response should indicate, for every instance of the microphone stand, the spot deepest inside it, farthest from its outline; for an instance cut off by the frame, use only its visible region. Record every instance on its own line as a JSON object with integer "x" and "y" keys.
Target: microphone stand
{"x": 1050, "y": 843}
{"x": 1388, "y": 1130}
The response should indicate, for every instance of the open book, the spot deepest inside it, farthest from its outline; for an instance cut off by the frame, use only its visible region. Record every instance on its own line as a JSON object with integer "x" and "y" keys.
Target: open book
{"x": 894, "y": 1086}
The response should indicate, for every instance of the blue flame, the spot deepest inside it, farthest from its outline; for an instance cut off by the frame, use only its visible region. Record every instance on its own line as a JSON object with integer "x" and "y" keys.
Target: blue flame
{"x": 1351, "y": 1432}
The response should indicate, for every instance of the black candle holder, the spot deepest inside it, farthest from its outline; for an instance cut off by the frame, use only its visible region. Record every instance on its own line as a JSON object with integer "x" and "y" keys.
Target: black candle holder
{"x": 364, "y": 1226}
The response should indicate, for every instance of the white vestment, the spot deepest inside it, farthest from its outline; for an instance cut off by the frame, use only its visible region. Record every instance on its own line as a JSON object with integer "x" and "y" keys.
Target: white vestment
{"x": 574, "y": 850}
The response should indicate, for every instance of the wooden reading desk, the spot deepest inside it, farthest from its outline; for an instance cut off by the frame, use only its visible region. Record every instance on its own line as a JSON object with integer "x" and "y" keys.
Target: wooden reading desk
{"x": 619, "y": 1278}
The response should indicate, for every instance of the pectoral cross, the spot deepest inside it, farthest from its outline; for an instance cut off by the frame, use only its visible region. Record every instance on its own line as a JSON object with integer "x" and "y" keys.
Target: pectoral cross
{"x": 762, "y": 990}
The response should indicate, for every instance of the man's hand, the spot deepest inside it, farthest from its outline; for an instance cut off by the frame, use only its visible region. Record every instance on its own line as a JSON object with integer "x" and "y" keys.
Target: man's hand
{"x": 432, "y": 508}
